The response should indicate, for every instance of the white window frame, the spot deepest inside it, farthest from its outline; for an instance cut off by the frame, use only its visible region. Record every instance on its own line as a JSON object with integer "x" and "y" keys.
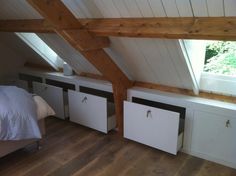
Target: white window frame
{"x": 39, "y": 46}
{"x": 216, "y": 83}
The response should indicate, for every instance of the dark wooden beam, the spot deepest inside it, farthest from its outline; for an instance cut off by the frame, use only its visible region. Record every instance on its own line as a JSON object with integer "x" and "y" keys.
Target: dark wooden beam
{"x": 36, "y": 26}
{"x": 91, "y": 47}
{"x": 212, "y": 28}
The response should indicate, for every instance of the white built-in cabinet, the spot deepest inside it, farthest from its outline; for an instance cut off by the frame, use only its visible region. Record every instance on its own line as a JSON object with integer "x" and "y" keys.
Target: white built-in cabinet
{"x": 214, "y": 136}
{"x": 200, "y": 127}
{"x": 92, "y": 111}
{"x": 152, "y": 126}
{"x": 209, "y": 125}
{"x": 53, "y": 95}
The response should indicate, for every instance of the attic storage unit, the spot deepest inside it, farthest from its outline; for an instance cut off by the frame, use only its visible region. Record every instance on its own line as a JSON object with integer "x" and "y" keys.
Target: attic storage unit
{"x": 155, "y": 122}
{"x": 93, "y": 105}
{"x": 53, "y": 88}
{"x": 149, "y": 60}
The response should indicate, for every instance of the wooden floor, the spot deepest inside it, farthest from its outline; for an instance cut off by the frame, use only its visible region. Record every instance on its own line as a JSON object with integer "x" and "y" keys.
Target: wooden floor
{"x": 70, "y": 149}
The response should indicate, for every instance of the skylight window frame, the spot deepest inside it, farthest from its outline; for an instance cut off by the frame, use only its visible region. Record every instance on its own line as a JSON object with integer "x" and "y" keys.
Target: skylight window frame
{"x": 39, "y": 46}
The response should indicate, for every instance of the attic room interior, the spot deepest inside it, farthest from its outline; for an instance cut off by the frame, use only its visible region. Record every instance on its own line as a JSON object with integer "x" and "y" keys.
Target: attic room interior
{"x": 118, "y": 87}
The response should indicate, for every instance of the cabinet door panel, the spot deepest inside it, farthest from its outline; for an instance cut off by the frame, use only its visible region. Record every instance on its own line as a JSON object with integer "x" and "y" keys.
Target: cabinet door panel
{"x": 151, "y": 126}
{"x": 214, "y": 136}
{"x": 52, "y": 95}
{"x": 88, "y": 110}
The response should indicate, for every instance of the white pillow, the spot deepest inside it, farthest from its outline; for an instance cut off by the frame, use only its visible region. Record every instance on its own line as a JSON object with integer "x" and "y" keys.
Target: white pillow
{"x": 43, "y": 109}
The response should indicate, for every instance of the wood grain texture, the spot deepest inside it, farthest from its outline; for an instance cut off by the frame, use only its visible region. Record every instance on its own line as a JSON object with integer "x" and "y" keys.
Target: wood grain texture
{"x": 89, "y": 46}
{"x": 218, "y": 28}
{"x": 212, "y": 28}
{"x": 71, "y": 149}
{"x": 62, "y": 19}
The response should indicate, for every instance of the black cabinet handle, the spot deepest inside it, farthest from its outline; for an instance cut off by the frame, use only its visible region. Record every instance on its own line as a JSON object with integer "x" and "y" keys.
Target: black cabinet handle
{"x": 149, "y": 113}
{"x": 84, "y": 100}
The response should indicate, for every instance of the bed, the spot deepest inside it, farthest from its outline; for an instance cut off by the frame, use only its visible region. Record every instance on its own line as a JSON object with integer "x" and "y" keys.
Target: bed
{"x": 9, "y": 141}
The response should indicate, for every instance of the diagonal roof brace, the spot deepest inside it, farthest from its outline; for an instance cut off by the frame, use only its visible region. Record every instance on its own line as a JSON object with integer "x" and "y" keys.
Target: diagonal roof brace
{"x": 56, "y": 13}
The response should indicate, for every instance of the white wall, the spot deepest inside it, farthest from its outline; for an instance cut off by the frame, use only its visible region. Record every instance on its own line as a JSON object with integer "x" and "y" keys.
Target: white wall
{"x": 10, "y": 63}
{"x": 13, "y": 54}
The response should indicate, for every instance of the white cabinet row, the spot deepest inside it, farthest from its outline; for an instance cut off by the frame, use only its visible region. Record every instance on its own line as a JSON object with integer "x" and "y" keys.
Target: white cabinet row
{"x": 209, "y": 126}
{"x": 89, "y": 110}
{"x": 85, "y": 103}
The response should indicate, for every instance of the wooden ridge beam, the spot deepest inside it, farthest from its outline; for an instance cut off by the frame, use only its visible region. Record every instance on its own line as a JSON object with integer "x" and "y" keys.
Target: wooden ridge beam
{"x": 212, "y": 28}
{"x": 56, "y": 13}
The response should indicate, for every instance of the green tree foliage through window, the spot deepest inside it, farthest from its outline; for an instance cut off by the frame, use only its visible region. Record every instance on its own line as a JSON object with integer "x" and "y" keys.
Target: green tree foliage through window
{"x": 221, "y": 58}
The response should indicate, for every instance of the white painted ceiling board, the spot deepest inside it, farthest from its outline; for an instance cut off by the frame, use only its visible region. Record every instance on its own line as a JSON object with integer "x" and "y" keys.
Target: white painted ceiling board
{"x": 157, "y": 8}
{"x": 145, "y": 8}
{"x": 81, "y": 5}
{"x": 105, "y": 12}
{"x": 119, "y": 61}
{"x": 73, "y": 6}
{"x": 121, "y": 7}
{"x": 145, "y": 46}
{"x": 92, "y": 8}
{"x": 170, "y": 8}
{"x": 180, "y": 65}
{"x": 132, "y": 8}
{"x": 215, "y": 8}
{"x": 134, "y": 60}
{"x": 169, "y": 62}
{"x": 68, "y": 53}
{"x": 199, "y": 8}
{"x": 184, "y": 8}
{"x": 155, "y": 61}
{"x": 119, "y": 47}
{"x": 111, "y": 8}
{"x": 230, "y": 7}
{"x": 17, "y": 9}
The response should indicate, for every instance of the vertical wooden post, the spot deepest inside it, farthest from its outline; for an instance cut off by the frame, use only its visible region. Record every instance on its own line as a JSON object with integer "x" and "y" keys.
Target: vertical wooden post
{"x": 120, "y": 94}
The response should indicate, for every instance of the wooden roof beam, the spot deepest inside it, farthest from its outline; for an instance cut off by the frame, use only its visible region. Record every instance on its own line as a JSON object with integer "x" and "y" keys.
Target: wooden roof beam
{"x": 56, "y": 13}
{"x": 212, "y": 28}
{"x": 64, "y": 23}
{"x": 36, "y": 26}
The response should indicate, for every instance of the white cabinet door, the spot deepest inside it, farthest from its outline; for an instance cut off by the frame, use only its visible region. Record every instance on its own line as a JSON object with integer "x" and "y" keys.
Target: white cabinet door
{"x": 52, "y": 95}
{"x": 151, "y": 126}
{"x": 88, "y": 110}
{"x": 214, "y": 137}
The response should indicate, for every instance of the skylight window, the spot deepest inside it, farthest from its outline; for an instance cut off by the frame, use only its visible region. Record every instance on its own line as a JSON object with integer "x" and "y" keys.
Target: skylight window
{"x": 39, "y": 46}
{"x": 220, "y": 58}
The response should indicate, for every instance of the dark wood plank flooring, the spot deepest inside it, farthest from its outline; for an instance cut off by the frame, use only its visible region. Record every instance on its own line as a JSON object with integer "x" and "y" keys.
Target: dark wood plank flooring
{"x": 70, "y": 149}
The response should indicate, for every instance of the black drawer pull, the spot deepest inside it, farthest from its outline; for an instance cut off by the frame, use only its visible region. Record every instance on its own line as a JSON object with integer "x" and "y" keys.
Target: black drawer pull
{"x": 84, "y": 100}
{"x": 149, "y": 113}
{"x": 227, "y": 124}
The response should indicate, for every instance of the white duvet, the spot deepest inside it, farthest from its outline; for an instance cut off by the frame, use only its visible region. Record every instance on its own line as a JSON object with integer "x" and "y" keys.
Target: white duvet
{"x": 18, "y": 114}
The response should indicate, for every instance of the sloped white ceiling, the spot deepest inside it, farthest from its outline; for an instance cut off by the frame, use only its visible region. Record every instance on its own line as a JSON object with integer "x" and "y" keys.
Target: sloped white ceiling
{"x": 17, "y": 9}
{"x": 148, "y": 60}
{"x": 25, "y": 53}
{"x": 68, "y": 53}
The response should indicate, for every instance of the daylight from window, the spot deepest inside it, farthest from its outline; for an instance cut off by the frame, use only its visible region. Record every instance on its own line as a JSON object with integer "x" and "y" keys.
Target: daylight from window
{"x": 39, "y": 46}
{"x": 220, "y": 58}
